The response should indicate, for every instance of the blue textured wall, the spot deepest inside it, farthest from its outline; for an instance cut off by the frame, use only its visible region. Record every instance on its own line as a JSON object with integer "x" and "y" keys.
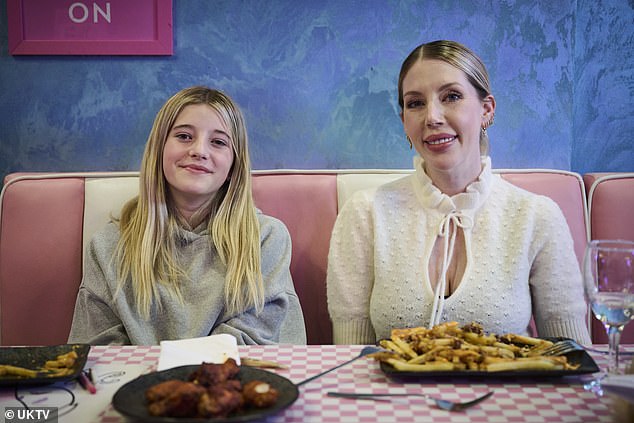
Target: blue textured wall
{"x": 317, "y": 82}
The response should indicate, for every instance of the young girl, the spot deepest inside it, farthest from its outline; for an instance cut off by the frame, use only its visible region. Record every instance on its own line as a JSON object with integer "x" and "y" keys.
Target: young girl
{"x": 191, "y": 255}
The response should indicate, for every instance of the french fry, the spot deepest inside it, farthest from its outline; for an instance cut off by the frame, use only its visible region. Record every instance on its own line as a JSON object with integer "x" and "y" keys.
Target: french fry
{"x": 528, "y": 340}
{"x": 476, "y": 339}
{"x": 18, "y": 371}
{"x": 405, "y": 347}
{"x": 433, "y": 366}
{"x": 388, "y": 344}
{"x": 497, "y": 352}
{"x": 523, "y": 364}
{"x": 62, "y": 361}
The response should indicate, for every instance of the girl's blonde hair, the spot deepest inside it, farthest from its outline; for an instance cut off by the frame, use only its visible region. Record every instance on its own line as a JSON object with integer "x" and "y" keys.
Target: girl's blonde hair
{"x": 146, "y": 251}
{"x": 458, "y": 56}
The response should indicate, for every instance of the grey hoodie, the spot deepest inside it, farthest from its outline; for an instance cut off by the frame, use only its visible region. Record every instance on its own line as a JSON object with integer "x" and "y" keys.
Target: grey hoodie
{"x": 100, "y": 318}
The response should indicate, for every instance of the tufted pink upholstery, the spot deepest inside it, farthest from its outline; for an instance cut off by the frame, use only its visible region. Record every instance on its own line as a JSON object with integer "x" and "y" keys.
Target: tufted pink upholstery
{"x": 43, "y": 219}
{"x": 611, "y": 206}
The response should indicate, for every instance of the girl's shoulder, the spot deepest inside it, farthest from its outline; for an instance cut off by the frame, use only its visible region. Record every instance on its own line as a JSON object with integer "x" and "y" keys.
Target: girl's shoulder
{"x": 271, "y": 226}
{"x": 106, "y": 235}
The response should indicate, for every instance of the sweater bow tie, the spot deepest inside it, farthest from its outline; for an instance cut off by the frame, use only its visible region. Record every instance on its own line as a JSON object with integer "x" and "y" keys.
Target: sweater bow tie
{"x": 459, "y": 220}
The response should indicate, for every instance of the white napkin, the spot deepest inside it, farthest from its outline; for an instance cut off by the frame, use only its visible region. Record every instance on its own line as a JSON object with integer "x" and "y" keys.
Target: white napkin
{"x": 622, "y": 385}
{"x": 210, "y": 349}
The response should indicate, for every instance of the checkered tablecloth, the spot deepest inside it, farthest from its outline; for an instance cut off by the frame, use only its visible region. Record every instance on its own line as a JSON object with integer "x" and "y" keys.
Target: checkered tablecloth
{"x": 515, "y": 400}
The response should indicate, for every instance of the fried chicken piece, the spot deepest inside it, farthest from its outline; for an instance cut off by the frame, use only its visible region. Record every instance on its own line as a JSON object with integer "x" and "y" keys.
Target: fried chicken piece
{"x": 209, "y": 374}
{"x": 221, "y": 400}
{"x": 259, "y": 394}
{"x": 179, "y": 399}
{"x": 162, "y": 390}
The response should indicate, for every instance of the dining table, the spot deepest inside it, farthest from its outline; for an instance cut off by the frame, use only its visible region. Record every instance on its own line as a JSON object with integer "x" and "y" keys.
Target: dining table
{"x": 515, "y": 399}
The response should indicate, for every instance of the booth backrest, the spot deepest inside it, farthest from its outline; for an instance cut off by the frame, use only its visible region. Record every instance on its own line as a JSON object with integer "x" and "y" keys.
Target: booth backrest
{"x": 611, "y": 216}
{"x": 610, "y": 205}
{"x": 47, "y": 219}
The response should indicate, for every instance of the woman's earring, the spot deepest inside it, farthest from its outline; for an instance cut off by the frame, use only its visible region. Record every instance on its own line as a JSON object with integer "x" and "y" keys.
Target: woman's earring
{"x": 487, "y": 124}
{"x": 410, "y": 142}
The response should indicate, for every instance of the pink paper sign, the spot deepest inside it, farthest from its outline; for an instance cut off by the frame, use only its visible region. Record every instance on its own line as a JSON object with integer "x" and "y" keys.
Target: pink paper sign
{"x": 92, "y": 27}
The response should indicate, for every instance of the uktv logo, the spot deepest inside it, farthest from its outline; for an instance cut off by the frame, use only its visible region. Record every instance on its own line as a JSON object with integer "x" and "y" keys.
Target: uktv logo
{"x": 31, "y": 414}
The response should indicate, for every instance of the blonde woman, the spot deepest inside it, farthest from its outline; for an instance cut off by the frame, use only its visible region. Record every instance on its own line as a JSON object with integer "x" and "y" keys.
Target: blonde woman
{"x": 191, "y": 255}
{"x": 452, "y": 242}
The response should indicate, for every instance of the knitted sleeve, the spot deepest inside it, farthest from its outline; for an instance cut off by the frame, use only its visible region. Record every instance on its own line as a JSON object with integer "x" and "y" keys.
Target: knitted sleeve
{"x": 350, "y": 271}
{"x": 556, "y": 286}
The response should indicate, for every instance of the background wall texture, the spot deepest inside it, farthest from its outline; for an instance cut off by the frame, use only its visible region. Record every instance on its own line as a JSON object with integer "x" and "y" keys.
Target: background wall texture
{"x": 317, "y": 83}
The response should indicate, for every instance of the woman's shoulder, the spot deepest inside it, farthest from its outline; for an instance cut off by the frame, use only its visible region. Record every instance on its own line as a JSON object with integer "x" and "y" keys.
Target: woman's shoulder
{"x": 386, "y": 192}
{"x": 538, "y": 203}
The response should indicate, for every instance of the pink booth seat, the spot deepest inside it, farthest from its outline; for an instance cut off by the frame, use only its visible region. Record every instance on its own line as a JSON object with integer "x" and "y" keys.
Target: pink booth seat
{"x": 307, "y": 204}
{"x": 611, "y": 216}
{"x": 40, "y": 259}
{"x": 47, "y": 219}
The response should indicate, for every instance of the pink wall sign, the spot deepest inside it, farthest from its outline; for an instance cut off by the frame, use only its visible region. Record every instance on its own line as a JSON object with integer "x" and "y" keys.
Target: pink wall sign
{"x": 91, "y": 27}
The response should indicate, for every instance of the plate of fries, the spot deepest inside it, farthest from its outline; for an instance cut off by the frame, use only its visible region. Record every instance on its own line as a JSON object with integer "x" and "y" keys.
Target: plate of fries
{"x": 450, "y": 350}
{"x": 41, "y": 365}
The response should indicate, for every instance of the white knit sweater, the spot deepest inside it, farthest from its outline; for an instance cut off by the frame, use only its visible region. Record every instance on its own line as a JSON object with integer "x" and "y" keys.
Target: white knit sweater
{"x": 519, "y": 253}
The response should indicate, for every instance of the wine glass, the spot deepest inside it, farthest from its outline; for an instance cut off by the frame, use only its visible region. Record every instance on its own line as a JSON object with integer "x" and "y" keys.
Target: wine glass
{"x": 608, "y": 273}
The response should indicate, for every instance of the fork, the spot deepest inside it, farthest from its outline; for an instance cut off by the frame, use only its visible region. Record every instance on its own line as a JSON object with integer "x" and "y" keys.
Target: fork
{"x": 440, "y": 403}
{"x": 365, "y": 351}
{"x": 562, "y": 347}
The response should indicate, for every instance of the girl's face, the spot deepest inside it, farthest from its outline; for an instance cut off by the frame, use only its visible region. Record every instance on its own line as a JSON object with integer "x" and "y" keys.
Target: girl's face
{"x": 197, "y": 157}
{"x": 442, "y": 115}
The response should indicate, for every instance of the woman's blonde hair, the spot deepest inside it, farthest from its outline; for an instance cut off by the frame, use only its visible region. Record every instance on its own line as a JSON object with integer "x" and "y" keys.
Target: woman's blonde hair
{"x": 458, "y": 56}
{"x": 146, "y": 252}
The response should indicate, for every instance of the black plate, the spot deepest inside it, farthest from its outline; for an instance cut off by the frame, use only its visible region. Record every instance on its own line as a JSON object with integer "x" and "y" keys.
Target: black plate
{"x": 35, "y": 358}
{"x": 587, "y": 365}
{"x": 129, "y": 400}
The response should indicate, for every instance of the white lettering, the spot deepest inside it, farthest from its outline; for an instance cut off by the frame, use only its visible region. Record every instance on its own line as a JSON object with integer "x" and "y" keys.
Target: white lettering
{"x": 37, "y": 414}
{"x": 71, "y": 12}
{"x": 99, "y": 10}
{"x": 96, "y": 9}
{"x": 43, "y": 414}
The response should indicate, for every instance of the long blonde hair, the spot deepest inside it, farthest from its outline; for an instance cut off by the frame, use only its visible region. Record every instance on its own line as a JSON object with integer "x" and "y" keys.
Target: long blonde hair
{"x": 458, "y": 56}
{"x": 146, "y": 251}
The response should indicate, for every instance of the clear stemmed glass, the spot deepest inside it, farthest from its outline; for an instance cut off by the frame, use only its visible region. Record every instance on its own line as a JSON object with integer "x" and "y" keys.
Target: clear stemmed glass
{"x": 608, "y": 273}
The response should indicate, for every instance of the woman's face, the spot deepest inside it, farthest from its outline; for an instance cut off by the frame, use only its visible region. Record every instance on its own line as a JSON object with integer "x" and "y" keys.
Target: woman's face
{"x": 197, "y": 157}
{"x": 442, "y": 115}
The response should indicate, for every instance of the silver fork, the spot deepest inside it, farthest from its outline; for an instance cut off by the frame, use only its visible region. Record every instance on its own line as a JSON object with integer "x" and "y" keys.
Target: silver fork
{"x": 440, "y": 403}
{"x": 365, "y": 351}
{"x": 562, "y": 347}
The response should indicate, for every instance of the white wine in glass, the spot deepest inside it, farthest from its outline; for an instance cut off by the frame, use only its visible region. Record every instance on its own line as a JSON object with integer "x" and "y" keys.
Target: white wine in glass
{"x": 608, "y": 273}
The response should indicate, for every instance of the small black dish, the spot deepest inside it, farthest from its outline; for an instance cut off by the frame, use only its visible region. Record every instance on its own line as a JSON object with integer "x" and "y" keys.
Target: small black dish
{"x": 35, "y": 358}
